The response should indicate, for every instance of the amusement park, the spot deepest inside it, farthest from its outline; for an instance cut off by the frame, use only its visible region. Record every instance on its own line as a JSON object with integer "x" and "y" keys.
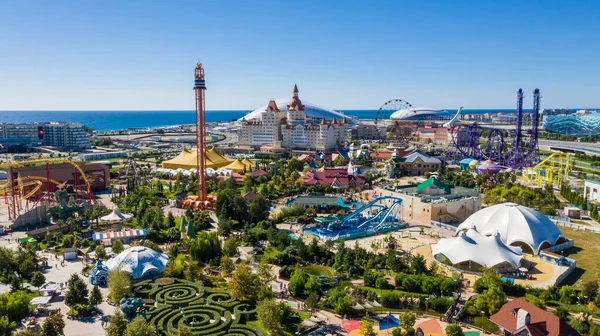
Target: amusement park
{"x": 442, "y": 199}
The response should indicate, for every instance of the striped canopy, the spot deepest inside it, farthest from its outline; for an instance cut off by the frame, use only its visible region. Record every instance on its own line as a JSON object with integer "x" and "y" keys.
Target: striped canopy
{"x": 119, "y": 234}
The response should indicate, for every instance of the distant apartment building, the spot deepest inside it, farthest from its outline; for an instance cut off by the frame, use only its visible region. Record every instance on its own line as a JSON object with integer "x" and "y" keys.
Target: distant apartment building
{"x": 20, "y": 134}
{"x": 66, "y": 135}
{"x": 366, "y": 132}
{"x": 58, "y": 134}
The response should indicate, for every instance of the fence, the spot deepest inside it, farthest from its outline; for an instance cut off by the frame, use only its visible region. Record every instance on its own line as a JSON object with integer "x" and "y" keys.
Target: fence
{"x": 557, "y": 248}
{"x": 577, "y": 226}
{"x": 443, "y": 226}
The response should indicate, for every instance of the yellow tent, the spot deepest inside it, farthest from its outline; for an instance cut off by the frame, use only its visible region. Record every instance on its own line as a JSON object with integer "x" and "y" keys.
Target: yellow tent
{"x": 249, "y": 164}
{"x": 188, "y": 159}
{"x": 236, "y": 165}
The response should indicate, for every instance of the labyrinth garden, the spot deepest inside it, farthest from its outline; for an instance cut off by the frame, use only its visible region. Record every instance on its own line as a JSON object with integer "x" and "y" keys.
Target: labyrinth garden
{"x": 171, "y": 303}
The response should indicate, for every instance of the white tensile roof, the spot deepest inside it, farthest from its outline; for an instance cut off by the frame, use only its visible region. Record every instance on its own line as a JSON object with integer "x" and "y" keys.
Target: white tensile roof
{"x": 515, "y": 223}
{"x": 419, "y": 111}
{"x": 115, "y": 215}
{"x": 139, "y": 261}
{"x": 471, "y": 245}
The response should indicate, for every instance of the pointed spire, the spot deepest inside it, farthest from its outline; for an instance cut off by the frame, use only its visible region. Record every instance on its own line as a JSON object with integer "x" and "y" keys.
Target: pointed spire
{"x": 272, "y": 106}
{"x": 296, "y": 89}
{"x": 323, "y": 122}
{"x": 344, "y": 121}
{"x": 334, "y": 121}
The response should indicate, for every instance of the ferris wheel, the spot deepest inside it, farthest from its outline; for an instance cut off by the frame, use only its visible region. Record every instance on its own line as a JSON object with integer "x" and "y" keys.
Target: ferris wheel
{"x": 390, "y": 107}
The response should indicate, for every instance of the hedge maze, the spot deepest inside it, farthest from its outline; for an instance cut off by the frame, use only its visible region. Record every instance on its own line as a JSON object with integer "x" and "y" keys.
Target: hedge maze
{"x": 171, "y": 303}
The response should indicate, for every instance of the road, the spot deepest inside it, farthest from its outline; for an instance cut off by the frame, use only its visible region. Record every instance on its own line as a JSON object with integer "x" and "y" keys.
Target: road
{"x": 590, "y": 148}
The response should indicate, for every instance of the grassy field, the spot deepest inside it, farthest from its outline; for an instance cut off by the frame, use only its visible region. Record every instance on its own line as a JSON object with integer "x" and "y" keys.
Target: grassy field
{"x": 317, "y": 270}
{"x": 585, "y": 252}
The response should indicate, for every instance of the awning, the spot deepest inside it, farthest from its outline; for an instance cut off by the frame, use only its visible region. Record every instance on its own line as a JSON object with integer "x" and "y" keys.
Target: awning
{"x": 119, "y": 234}
{"x": 40, "y": 300}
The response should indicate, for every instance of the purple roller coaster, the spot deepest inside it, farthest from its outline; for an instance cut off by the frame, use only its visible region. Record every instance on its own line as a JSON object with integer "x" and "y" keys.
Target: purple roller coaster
{"x": 468, "y": 141}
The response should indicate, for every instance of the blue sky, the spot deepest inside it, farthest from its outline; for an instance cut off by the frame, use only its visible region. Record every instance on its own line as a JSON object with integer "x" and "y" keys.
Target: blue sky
{"x": 104, "y": 55}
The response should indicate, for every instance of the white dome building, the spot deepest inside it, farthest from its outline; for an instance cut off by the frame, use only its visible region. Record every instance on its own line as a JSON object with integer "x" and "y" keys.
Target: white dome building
{"x": 471, "y": 250}
{"x": 139, "y": 261}
{"x": 421, "y": 113}
{"x": 517, "y": 226}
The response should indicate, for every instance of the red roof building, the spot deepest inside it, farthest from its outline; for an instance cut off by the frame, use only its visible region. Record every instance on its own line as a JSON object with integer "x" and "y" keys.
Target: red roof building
{"x": 335, "y": 177}
{"x": 519, "y": 317}
{"x": 255, "y": 174}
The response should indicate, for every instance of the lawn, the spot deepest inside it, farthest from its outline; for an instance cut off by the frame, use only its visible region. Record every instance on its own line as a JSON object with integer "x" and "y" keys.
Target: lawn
{"x": 585, "y": 252}
{"x": 317, "y": 270}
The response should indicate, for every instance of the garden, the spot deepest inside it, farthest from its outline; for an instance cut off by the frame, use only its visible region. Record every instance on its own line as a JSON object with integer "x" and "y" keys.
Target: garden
{"x": 169, "y": 304}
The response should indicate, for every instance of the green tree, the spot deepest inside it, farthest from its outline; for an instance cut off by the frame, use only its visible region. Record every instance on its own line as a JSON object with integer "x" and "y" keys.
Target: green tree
{"x": 48, "y": 329}
{"x": 297, "y": 282}
{"x": 77, "y": 291}
{"x": 230, "y": 247}
{"x": 170, "y": 219}
{"x": 95, "y": 296}
{"x": 239, "y": 285}
{"x": 312, "y": 285}
{"x": 6, "y": 328}
{"x": 205, "y": 247}
{"x": 454, "y": 330}
{"x": 418, "y": 264}
{"x": 270, "y": 315}
{"x": 562, "y": 312}
{"x": 313, "y": 301}
{"x": 58, "y": 323}
{"x": 227, "y": 266}
{"x": 119, "y": 284}
{"x": 566, "y": 292}
{"x": 139, "y": 327}
{"x": 100, "y": 252}
{"x": 491, "y": 300}
{"x": 366, "y": 326}
{"x": 183, "y": 331}
{"x": 407, "y": 320}
{"x": 117, "y": 247}
{"x": 590, "y": 289}
{"x": 14, "y": 305}
{"x": 38, "y": 279}
{"x": 117, "y": 324}
{"x": 258, "y": 209}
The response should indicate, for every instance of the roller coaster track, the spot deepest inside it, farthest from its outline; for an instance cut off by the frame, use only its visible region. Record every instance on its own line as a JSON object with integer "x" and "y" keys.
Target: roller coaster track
{"x": 555, "y": 168}
{"x": 13, "y": 189}
{"x": 49, "y": 161}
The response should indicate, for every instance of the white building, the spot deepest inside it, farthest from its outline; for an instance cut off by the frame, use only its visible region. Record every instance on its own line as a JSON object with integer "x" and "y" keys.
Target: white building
{"x": 591, "y": 190}
{"x": 517, "y": 225}
{"x": 66, "y": 135}
{"x": 295, "y": 130}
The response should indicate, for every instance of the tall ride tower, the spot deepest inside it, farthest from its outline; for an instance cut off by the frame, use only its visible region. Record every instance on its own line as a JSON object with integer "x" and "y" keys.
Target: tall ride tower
{"x": 199, "y": 87}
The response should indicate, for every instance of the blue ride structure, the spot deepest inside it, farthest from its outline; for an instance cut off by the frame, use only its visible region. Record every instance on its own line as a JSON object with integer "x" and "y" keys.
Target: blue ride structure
{"x": 381, "y": 215}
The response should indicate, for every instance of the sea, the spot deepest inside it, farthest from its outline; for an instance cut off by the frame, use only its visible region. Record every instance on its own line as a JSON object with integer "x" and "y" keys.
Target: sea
{"x": 116, "y": 120}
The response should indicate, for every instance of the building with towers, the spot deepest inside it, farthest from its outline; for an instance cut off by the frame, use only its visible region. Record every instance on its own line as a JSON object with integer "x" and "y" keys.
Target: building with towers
{"x": 294, "y": 129}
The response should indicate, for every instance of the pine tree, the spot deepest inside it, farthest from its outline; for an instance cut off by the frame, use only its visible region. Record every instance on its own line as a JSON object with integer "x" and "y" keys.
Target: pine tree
{"x": 77, "y": 292}
{"x": 95, "y": 296}
{"x": 117, "y": 324}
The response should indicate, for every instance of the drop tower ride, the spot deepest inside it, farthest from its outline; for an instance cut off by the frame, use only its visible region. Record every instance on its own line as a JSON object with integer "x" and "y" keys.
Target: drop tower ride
{"x": 199, "y": 88}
